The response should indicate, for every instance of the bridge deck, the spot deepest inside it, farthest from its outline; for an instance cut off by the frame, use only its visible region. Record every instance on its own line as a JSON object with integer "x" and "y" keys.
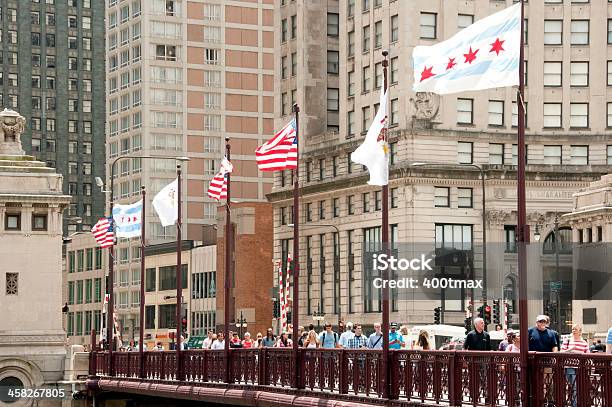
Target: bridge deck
{"x": 346, "y": 377}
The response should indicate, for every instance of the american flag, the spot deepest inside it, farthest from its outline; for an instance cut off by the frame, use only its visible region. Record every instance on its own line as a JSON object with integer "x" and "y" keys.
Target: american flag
{"x": 218, "y": 185}
{"x": 103, "y": 232}
{"x": 280, "y": 152}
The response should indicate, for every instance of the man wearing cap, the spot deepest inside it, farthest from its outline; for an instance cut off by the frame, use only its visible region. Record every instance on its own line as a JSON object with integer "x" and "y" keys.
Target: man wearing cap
{"x": 503, "y": 345}
{"x": 395, "y": 338}
{"x": 478, "y": 338}
{"x": 542, "y": 339}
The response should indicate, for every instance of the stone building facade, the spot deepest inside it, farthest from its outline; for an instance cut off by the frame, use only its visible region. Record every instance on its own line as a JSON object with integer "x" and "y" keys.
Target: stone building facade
{"x": 568, "y": 142}
{"x": 32, "y": 351}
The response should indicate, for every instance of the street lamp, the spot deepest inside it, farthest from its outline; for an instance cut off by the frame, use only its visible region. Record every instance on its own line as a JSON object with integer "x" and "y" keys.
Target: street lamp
{"x": 484, "y": 216}
{"x": 109, "y": 324}
{"x": 241, "y": 323}
{"x": 336, "y": 262}
{"x": 318, "y": 316}
{"x": 556, "y": 288}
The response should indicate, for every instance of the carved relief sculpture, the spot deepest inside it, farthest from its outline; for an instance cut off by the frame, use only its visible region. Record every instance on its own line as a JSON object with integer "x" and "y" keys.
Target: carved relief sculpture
{"x": 12, "y": 124}
{"x": 426, "y": 105}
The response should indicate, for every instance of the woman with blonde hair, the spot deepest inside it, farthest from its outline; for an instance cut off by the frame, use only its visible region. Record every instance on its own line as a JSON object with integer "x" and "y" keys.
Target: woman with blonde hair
{"x": 574, "y": 344}
{"x": 311, "y": 341}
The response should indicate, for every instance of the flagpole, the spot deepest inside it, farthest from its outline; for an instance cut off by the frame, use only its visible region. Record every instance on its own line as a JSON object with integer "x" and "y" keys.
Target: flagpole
{"x": 179, "y": 279}
{"x": 385, "y": 247}
{"x": 228, "y": 275}
{"x": 295, "y": 314}
{"x": 142, "y": 281}
{"x": 523, "y": 228}
{"x": 110, "y": 340}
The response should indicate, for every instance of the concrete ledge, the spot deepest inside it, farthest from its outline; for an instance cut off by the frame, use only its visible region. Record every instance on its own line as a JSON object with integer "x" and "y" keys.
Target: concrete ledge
{"x": 229, "y": 394}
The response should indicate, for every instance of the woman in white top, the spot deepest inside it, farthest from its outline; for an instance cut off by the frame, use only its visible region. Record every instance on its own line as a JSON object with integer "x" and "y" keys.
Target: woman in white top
{"x": 311, "y": 341}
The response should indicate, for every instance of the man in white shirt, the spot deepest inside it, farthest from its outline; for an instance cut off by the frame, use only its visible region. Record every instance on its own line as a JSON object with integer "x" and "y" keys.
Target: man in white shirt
{"x": 346, "y": 335}
{"x": 218, "y": 344}
{"x": 208, "y": 341}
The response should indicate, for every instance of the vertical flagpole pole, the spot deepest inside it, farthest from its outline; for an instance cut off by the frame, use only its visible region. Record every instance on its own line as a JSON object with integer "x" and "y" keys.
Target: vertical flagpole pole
{"x": 179, "y": 279}
{"x": 385, "y": 247}
{"x": 295, "y": 314}
{"x": 228, "y": 275}
{"x": 142, "y": 281}
{"x": 110, "y": 340}
{"x": 523, "y": 230}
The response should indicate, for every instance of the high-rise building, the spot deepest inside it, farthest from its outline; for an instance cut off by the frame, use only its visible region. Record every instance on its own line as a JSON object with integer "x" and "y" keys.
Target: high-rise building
{"x": 182, "y": 76}
{"x": 337, "y": 80}
{"x": 53, "y": 72}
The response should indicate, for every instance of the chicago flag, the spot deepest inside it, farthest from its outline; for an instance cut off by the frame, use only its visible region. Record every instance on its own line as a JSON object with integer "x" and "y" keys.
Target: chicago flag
{"x": 484, "y": 55}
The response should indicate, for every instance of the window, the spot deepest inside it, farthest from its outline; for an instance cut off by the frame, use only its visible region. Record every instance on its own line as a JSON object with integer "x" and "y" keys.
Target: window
{"x": 428, "y": 25}
{"x": 283, "y": 30}
{"x": 609, "y": 108}
{"x": 351, "y": 204}
{"x": 365, "y": 201}
{"x": 579, "y": 74}
{"x": 12, "y": 221}
{"x": 350, "y": 8}
{"x": 552, "y": 73}
{"x": 579, "y": 155}
{"x": 552, "y": 115}
{"x": 365, "y": 5}
{"x": 553, "y": 32}
{"x": 333, "y": 24}
{"x": 365, "y": 84}
{"x": 167, "y": 278}
{"x": 510, "y": 238}
{"x": 211, "y": 56}
{"x": 350, "y": 47}
{"x": 496, "y": 154}
{"x": 609, "y": 31}
{"x": 321, "y": 210}
{"x": 394, "y": 70}
{"x": 552, "y": 155}
{"x": 293, "y": 63}
{"x": 394, "y": 28}
{"x": 50, "y": 40}
{"x": 72, "y": 22}
{"x": 441, "y": 197}
{"x": 365, "y": 117}
{"x": 394, "y": 112}
{"x": 165, "y": 52}
{"x": 496, "y": 112}
{"x": 333, "y": 96}
{"x": 579, "y": 32}
{"x": 465, "y": 109}
{"x": 464, "y": 197}
{"x": 365, "y": 42}
{"x": 333, "y": 62}
{"x": 394, "y": 197}
{"x": 50, "y": 19}
{"x": 350, "y": 123}
{"x": 515, "y": 114}
{"x": 579, "y": 115}
{"x": 378, "y": 75}
{"x": 464, "y": 20}
{"x": 36, "y": 40}
{"x": 351, "y": 83}
{"x": 464, "y": 152}
{"x": 293, "y": 27}
{"x": 378, "y": 34}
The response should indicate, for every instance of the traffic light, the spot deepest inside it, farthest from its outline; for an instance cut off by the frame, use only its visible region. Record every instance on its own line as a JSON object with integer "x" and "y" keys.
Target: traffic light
{"x": 509, "y": 311}
{"x": 184, "y": 326}
{"x": 496, "y": 312}
{"x": 487, "y": 314}
{"x": 468, "y": 325}
{"x": 437, "y": 312}
{"x": 275, "y": 309}
{"x": 481, "y": 312}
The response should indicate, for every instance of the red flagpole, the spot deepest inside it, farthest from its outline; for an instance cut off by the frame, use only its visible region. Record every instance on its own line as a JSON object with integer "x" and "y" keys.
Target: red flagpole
{"x": 228, "y": 259}
{"x": 523, "y": 228}
{"x": 179, "y": 280}
{"x": 142, "y": 282}
{"x": 296, "y": 252}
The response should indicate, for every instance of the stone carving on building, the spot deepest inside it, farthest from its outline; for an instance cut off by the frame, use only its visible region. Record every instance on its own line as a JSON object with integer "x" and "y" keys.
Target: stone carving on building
{"x": 426, "y": 105}
{"x": 499, "y": 217}
{"x": 12, "y": 124}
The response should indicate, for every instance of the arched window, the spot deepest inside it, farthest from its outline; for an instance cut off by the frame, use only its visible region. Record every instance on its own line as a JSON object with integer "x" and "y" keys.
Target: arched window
{"x": 565, "y": 241}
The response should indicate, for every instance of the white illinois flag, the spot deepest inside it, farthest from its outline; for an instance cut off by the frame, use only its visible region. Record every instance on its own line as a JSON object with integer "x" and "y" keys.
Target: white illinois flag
{"x": 374, "y": 151}
{"x": 484, "y": 55}
{"x": 128, "y": 219}
{"x": 166, "y": 203}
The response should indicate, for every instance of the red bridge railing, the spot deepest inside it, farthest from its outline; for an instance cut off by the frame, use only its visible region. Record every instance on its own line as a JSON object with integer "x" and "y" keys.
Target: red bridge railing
{"x": 457, "y": 378}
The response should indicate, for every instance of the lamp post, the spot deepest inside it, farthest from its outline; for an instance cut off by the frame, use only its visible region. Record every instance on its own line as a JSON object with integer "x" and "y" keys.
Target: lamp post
{"x": 241, "y": 323}
{"x": 336, "y": 262}
{"x": 554, "y": 287}
{"x": 111, "y": 250}
{"x": 484, "y": 216}
{"x": 318, "y": 316}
